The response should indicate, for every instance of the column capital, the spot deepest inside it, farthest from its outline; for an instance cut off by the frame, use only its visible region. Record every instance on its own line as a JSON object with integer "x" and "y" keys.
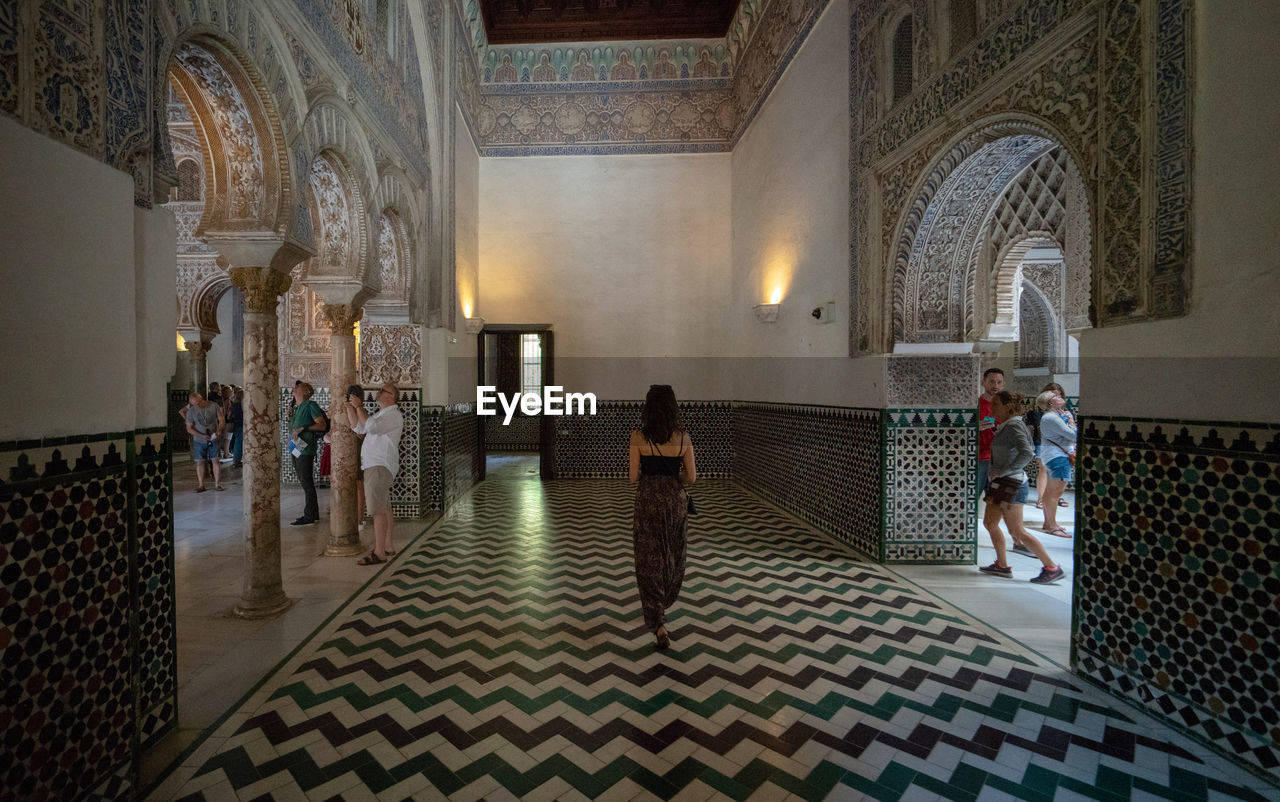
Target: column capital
{"x": 342, "y": 318}
{"x": 261, "y": 286}
{"x": 197, "y": 349}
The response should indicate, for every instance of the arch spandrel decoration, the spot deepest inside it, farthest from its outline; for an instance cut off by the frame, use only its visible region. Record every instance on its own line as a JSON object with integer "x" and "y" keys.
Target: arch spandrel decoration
{"x": 1057, "y": 55}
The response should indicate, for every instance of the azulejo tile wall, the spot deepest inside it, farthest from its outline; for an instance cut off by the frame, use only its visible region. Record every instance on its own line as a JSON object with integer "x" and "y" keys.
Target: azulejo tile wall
{"x": 461, "y": 451}
{"x": 86, "y": 615}
{"x": 822, "y": 464}
{"x": 930, "y": 498}
{"x": 1177, "y": 602}
{"x": 595, "y": 446}
{"x": 521, "y": 434}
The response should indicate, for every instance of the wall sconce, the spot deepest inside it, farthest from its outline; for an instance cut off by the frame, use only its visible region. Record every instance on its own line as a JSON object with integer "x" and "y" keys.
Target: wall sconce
{"x": 767, "y": 313}
{"x": 474, "y": 324}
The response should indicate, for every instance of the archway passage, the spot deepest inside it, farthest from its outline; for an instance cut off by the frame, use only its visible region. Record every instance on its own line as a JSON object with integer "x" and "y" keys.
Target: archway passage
{"x": 995, "y": 261}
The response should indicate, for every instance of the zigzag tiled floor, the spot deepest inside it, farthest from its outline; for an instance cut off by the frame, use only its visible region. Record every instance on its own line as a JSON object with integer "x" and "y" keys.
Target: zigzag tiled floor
{"x": 503, "y": 655}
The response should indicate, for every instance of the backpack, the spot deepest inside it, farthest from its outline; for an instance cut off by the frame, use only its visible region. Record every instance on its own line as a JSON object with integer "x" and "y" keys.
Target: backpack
{"x": 326, "y": 421}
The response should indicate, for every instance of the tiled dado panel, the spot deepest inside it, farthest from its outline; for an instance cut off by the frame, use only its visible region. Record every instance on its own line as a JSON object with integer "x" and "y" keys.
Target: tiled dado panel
{"x": 155, "y": 634}
{"x": 930, "y": 504}
{"x": 595, "y": 446}
{"x": 822, "y": 464}
{"x": 1177, "y": 600}
{"x": 521, "y": 434}
{"x": 461, "y": 451}
{"x": 431, "y": 463}
{"x": 85, "y": 549}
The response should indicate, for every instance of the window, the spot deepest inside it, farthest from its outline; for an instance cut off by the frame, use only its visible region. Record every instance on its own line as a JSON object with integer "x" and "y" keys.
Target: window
{"x": 531, "y": 364}
{"x": 188, "y": 180}
{"x": 903, "y": 55}
{"x": 964, "y": 22}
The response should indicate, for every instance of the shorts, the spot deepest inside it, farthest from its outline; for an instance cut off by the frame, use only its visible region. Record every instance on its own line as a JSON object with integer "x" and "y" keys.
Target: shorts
{"x": 377, "y": 489}
{"x": 207, "y": 450}
{"x": 1003, "y": 492}
{"x": 1059, "y": 468}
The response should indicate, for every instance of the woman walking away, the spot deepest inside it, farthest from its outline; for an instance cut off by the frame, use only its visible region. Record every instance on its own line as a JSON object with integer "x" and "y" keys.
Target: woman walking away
{"x": 1011, "y": 451}
{"x": 1058, "y": 452}
{"x": 661, "y": 462}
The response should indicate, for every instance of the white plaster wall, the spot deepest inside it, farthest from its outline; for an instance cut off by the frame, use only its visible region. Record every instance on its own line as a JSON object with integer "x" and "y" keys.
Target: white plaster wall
{"x": 225, "y": 361}
{"x": 155, "y": 281}
{"x": 461, "y": 353}
{"x": 626, "y": 256}
{"x": 1221, "y": 362}
{"x": 67, "y": 270}
{"x": 790, "y": 217}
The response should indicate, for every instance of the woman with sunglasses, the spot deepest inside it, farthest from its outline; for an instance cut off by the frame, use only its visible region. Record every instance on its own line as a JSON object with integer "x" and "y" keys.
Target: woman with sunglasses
{"x": 661, "y": 464}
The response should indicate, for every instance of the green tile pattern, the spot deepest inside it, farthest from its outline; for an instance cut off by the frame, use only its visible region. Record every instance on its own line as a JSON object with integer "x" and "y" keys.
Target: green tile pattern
{"x": 504, "y": 655}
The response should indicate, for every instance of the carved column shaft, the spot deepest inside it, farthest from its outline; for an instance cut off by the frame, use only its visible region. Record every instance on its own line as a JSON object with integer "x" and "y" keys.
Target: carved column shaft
{"x": 344, "y": 453}
{"x": 198, "y": 353}
{"x": 263, "y": 587}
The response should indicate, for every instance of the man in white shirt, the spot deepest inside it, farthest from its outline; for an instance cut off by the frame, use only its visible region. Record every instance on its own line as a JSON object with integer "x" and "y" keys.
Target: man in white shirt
{"x": 380, "y": 461}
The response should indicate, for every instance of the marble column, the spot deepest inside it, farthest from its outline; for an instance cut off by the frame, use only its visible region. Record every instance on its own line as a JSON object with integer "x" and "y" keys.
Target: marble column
{"x": 344, "y": 454}
{"x": 198, "y": 352}
{"x": 263, "y": 594}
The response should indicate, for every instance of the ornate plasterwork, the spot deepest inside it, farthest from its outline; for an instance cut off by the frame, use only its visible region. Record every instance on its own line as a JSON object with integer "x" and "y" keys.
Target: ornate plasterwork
{"x": 929, "y": 283}
{"x": 391, "y": 262}
{"x": 237, "y": 133}
{"x": 390, "y": 353}
{"x": 920, "y": 381}
{"x": 629, "y": 97}
{"x": 1075, "y": 67}
{"x": 335, "y": 214}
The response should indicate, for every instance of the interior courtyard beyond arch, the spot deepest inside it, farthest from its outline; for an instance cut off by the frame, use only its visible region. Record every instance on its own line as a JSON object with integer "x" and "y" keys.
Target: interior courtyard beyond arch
{"x": 822, "y": 222}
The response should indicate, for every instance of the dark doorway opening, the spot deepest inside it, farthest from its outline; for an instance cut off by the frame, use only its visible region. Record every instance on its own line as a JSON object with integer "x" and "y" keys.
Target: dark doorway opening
{"x": 516, "y": 359}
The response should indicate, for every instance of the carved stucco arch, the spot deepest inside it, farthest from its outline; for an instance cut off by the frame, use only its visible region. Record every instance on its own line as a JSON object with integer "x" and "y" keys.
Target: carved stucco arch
{"x": 400, "y": 208}
{"x": 1055, "y": 350}
{"x": 205, "y": 300}
{"x": 951, "y": 157}
{"x": 347, "y": 250}
{"x": 331, "y": 125}
{"x": 1002, "y": 295}
{"x": 249, "y": 47}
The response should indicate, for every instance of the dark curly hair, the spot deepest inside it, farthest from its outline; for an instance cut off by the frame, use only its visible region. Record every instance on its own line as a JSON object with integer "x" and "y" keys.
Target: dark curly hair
{"x": 660, "y": 416}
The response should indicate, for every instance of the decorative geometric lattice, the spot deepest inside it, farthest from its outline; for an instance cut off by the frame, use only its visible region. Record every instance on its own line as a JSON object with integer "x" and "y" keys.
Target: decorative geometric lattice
{"x": 820, "y": 463}
{"x": 156, "y": 664}
{"x": 521, "y": 434}
{"x": 1178, "y": 534}
{"x": 595, "y": 446}
{"x": 431, "y": 464}
{"x": 461, "y": 451}
{"x": 930, "y": 504}
{"x": 931, "y": 381}
{"x": 1036, "y": 202}
{"x": 64, "y": 567}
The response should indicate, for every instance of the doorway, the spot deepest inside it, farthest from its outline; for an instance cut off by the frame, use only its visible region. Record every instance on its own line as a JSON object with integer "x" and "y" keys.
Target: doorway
{"x": 517, "y": 360}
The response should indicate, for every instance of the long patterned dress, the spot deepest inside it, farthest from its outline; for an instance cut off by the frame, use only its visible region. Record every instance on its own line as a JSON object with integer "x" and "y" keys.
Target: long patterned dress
{"x": 658, "y": 531}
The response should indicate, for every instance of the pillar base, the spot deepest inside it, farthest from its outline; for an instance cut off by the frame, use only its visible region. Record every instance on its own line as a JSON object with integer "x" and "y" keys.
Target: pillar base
{"x": 269, "y": 608}
{"x": 346, "y": 546}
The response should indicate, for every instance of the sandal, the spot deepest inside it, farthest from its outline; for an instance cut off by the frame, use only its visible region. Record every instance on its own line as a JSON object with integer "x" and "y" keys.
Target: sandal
{"x": 1039, "y": 505}
{"x": 1057, "y": 532}
{"x": 1062, "y": 502}
{"x": 219, "y": 487}
{"x": 370, "y": 559}
{"x": 201, "y": 489}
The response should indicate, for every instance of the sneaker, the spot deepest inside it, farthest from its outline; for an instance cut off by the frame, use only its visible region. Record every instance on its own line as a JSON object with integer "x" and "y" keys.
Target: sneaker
{"x": 1048, "y": 575}
{"x": 1018, "y": 548}
{"x": 303, "y": 521}
{"x": 996, "y": 570}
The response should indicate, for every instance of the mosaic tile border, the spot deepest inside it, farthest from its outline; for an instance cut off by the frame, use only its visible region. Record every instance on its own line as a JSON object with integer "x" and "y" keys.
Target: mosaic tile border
{"x": 822, "y": 464}
{"x": 595, "y": 446}
{"x": 1181, "y": 512}
{"x": 65, "y": 532}
{"x": 930, "y": 509}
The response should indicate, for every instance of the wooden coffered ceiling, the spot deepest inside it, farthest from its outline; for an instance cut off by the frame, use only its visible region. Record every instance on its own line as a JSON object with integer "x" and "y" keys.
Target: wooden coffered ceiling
{"x": 525, "y": 21}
